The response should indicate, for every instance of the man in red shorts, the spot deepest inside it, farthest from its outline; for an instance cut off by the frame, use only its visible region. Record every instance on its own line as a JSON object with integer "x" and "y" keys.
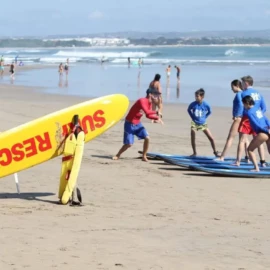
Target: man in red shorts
{"x": 244, "y": 127}
{"x": 133, "y": 125}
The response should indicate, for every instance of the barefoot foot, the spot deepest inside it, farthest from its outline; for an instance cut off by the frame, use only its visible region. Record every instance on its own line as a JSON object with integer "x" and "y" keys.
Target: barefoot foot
{"x": 115, "y": 158}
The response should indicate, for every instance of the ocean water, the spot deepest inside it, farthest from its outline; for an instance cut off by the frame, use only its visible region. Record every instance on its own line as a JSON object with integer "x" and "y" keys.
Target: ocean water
{"x": 212, "y": 68}
{"x": 150, "y": 55}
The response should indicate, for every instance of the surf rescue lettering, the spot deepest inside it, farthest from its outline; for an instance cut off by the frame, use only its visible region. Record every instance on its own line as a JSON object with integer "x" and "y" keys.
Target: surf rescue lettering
{"x": 88, "y": 123}
{"x": 42, "y": 142}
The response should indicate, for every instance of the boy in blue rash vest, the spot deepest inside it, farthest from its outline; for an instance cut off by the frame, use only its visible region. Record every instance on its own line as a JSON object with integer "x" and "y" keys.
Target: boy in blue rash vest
{"x": 244, "y": 128}
{"x": 199, "y": 111}
{"x": 260, "y": 124}
{"x": 237, "y": 112}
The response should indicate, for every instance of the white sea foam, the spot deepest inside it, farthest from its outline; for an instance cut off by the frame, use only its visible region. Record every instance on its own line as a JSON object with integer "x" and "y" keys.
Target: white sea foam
{"x": 100, "y": 54}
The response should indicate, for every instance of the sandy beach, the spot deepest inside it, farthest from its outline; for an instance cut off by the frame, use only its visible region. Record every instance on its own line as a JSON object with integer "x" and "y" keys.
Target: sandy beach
{"x": 136, "y": 215}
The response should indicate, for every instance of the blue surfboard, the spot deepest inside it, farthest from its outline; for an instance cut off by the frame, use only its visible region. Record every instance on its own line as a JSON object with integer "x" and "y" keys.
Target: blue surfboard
{"x": 219, "y": 165}
{"x": 234, "y": 173}
{"x": 161, "y": 156}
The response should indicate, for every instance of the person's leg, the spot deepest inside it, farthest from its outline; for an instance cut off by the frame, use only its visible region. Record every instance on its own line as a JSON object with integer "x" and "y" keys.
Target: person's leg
{"x": 232, "y": 133}
{"x": 240, "y": 148}
{"x": 211, "y": 139}
{"x": 145, "y": 148}
{"x": 255, "y": 143}
{"x": 121, "y": 151}
{"x": 261, "y": 153}
{"x": 246, "y": 149}
{"x": 128, "y": 139}
{"x": 193, "y": 141}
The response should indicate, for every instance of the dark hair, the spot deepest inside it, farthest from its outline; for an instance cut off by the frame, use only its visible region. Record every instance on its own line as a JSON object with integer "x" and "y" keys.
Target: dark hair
{"x": 157, "y": 77}
{"x": 236, "y": 83}
{"x": 247, "y": 79}
{"x": 200, "y": 92}
{"x": 248, "y": 100}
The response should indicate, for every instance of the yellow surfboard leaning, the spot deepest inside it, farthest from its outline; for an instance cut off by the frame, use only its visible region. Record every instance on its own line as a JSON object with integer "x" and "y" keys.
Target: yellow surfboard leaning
{"x": 42, "y": 139}
{"x": 70, "y": 183}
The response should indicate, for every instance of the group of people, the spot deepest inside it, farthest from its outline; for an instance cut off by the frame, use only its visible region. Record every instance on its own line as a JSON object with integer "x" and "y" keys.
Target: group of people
{"x": 63, "y": 68}
{"x": 168, "y": 72}
{"x": 247, "y": 115}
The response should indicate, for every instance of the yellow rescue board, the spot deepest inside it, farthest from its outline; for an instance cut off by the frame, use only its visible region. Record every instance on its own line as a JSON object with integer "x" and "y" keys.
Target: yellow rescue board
{"x": 77, "y": 160}
{"x": 67, "y": 162}
{"x": 42, "y": 139}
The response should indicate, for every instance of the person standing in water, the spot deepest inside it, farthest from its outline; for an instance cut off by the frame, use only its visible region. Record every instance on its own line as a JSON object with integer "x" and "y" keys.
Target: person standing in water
{"x": 12, "y": 70}
{"x": 168, "y": 72}
{"x": 66, "y": 67}
{"x": 2, "y": 68}
{"x": 177, "y": 72}
{"x": 155, "y": 84}
{"x": 60, "y": 70}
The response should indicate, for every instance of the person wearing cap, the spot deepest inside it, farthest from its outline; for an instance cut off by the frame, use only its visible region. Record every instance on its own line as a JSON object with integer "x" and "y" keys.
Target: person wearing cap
{"x": 133, "y": 125}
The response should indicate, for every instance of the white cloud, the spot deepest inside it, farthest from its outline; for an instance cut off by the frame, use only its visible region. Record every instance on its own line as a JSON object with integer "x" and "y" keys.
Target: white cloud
{"x": 96, "y": 15}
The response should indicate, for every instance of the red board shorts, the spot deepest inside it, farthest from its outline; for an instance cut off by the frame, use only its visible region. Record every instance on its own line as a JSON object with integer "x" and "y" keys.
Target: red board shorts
{"x": 244, "y": 126}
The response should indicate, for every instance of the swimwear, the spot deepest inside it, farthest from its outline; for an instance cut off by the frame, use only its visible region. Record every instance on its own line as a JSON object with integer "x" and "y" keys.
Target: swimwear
{"x": 245, "y": 127}
{"x": 2, "y": 68}
{"x": 130, "y": 130}
{"x": 199, "y": 112}
{"x": 177, "y": 74}
{"x": 66, "y": 67}
{"x": 258, "y": 121}
{"x": 202, "y": 127}
{"x": 141, "y": 106}
{"x": 238, "y": 106}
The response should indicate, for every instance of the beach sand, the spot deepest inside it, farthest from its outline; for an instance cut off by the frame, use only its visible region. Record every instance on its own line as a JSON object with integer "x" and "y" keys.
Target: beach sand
{"x": 136, "y": 215}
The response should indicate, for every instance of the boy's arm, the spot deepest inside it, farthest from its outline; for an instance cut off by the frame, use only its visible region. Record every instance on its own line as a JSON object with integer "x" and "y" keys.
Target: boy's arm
{"x": 209, "y": 111}
{"x": 190, "y": 111}
{"x": 263, "y": 104}
{"x": 148, "y": 113}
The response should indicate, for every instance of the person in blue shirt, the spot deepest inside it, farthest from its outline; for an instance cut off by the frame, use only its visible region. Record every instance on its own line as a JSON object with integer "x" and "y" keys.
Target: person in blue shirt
{"x": 245, "y": 128}
{"x": 260, "y": 124}
{"x": 199, "y": 111}
{"x": 237, "y": 112}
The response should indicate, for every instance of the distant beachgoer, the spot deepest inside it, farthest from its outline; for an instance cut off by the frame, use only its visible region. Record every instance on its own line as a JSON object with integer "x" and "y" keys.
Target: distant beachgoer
{"x": 16, "y": 59}
{"x": 168, "y": 72}
{"x": 12, "y": 70}
{"x": 177, "y": 72}
{"x": 102, "y": 59}
{"x": 155, "y": 84}
{"x": 60, "y": 69}
{"x": 66, "y": 67}
{"x": 133, "y": 125}
{"x": 2, "y": 68}
{"x": 21, "y": 63}
{"x": 140, "y": 62}
{"x": 199, "y": 111}
{"x": 128, "y": 61}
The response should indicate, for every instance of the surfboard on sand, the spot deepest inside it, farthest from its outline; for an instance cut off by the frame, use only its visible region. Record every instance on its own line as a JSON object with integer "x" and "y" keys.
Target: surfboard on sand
{"x": 234, "y": 173}
{"x": 43, "y": 139}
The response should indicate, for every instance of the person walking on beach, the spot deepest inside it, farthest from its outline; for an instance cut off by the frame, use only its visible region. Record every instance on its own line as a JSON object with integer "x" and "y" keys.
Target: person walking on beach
{"x": 177, "y": 72}
{"x": 133, "y": 125}
{"x": 155, "y": 84}
{"x": 199, "y": 111}
{"x": 237, "y": 113}
{"x": 245, "y": 128}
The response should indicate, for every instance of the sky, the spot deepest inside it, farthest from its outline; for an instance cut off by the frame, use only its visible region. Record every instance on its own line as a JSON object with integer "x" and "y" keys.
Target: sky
{"x": 53, "y": 17}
